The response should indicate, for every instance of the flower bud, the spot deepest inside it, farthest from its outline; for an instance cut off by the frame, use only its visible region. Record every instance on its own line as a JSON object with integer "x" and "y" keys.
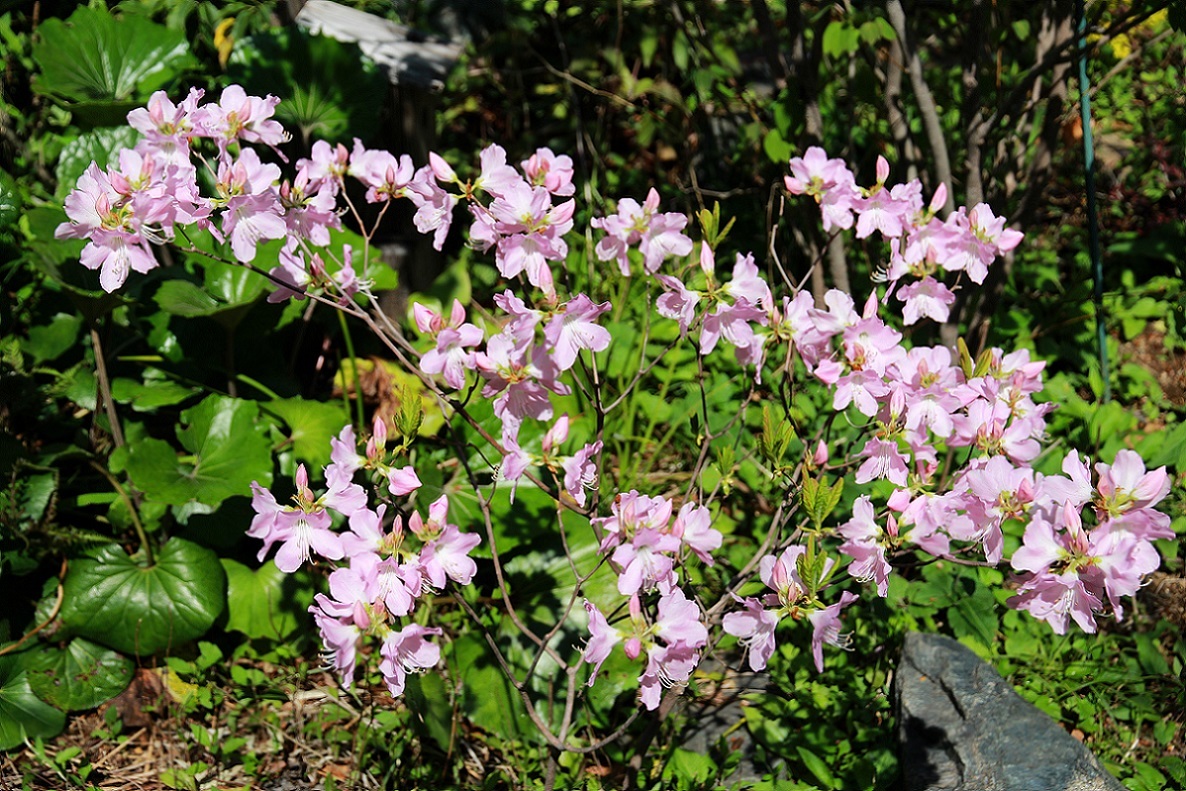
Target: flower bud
{"x": 379, "y": 432}
{"x": 820, "y": 457}
{"x": 940, "y": 198}
{"x": 708, "y": 261}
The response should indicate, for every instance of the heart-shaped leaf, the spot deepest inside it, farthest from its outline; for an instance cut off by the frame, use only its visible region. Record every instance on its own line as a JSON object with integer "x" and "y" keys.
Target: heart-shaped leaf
{"x": 228, "y": 294}
{"x": 121, "y": 602}
{"x": 23, "y": 715}
{"x": 183, "y": 298}
{"x": 78, "y": 677}
{"x": 311, "y": 425}
{"x": 228, "y": 450}
{"x": 95, "y": 57}
{"x": 266, "y": 603}
{"x": 49, "y": 341}
{"x": 153, "y": 392}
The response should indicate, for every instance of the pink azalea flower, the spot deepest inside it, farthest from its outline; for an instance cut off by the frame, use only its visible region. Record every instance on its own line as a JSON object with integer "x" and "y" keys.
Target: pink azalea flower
{"x": 575, "y": 328}
{"x": 754, "y": 627}
{"x": 238, "y": 116}
{"x": 1124, "y": 485}
{"x": 647, "y": 561}
{"x": 496, "y": 177}
{"x": 434, "y": 206}
{"x": 657, "y": 235}
{"x": 747, "y": 282}
{"x": 732, "y": 322}
{"x": 580, "y": 472}
{"x": 882, "y": 460}
{"x": 452, "y": 357}
{"x": 679, "y": 620}
{"x": 554, "y": 173}
{"x": 310, "y": 534}
{"x": 447, "y": 555}
{"x": 927, "y": 297}
{"x": 402, "y": 481}
{"x": 866, "y": 545}
{"x": 826, "y": 628}
{"x": 677, "y": 303}
{"x": 602, "y": 639}
{"x": 384, "y": 176}
{"x": 340, "y": 640}
{"x": 407, "y": 651}
{"x": 693, "y": 526}
{"x": 326, "y": 166}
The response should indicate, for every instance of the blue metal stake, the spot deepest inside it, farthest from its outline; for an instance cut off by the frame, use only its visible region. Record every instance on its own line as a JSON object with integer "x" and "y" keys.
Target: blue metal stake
{"x": 1093, "y": 222}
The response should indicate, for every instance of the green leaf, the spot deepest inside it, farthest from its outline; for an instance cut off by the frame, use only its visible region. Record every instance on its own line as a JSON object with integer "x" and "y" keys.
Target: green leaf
{"x": 688, "y": 768}
{"x": 78, "y": 677}
{"x": 266, "y": 603}
{"x": 23, "y": 715}
{"x": 49, "y": 341}
{"x": 1151, "y": 659}
{"x": 233, "y": 285}
{"x": 149, "y": 394}
{"x": 104, "y": 63}
{"x": 1172, "y": 451}
{"x": 228, "y": 293}
{"x": 820, "y": 499}
{"x": 311, "y": 425}
{"x": 817, "y": 767}
{"x": 841, "y": 39}
{"x": 183, "y": 298}
{"x": 101, "y": 146}
{"x": 327, "y": 88}
{"x": 487, "y": 696}
{"x": 429, "y": 701}
{"x": 121, "y": 602}
{"x": 975, "y": 617}
{"x": 809, "y": 495}
{"x": 10, "y": 200}
{"x": 776, "y": 148}
{"x": 228, "y": 447}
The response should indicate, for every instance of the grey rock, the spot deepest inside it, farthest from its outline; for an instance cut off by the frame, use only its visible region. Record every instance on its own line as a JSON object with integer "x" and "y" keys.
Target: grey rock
{"x": 963, "y": 728}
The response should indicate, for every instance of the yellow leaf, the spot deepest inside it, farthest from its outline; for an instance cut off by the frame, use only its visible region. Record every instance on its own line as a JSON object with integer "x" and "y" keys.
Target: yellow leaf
{"x": 224, "y": 40}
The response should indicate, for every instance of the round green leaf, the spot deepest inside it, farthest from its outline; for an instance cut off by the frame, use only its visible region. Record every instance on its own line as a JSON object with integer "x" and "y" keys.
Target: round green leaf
{"x": 228, "y": 450}
{"x": 79, "y": 677}
{"x": 311, "y": 425}
{"x": 121, "y": 602}
{"x": 23, "y": 715}
{"x": 266, "y": 603}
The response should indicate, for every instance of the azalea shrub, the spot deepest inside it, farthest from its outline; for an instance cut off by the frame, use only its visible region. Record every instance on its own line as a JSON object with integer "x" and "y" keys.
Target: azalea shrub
{"x": 872, "y": 449}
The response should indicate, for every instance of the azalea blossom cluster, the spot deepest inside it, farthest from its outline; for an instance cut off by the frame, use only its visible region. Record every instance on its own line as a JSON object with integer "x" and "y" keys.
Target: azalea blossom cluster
{"x": 795, "y": 584}
{"x": 967, "y": 240}
{"x": 647, "y": 546}
{"x": 521, "y": 364}
{"x": 1068, "y": 569}
{"x": 1087, "y": 540}
{"x": 382, "y": 566}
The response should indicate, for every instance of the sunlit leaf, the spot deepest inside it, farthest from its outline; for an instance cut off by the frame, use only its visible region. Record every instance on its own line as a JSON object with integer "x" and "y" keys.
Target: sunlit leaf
{"x": 23, "y": 715}
{"x": 227, "y": 448}
{"x": 122, "y": 602}
{"x": 266, "y": 603}
{"x": 80, "y": 676}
